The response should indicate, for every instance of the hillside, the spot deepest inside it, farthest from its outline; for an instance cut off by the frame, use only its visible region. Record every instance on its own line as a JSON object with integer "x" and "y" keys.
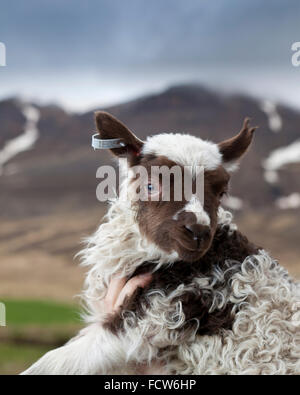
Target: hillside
{"x": 63, "y": 165}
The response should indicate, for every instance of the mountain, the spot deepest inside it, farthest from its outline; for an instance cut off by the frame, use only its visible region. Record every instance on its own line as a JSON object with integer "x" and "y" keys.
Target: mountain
{"x": 12, "y": 121}
{"x": 59, "y": 170}
{"x": 48, "y": 201}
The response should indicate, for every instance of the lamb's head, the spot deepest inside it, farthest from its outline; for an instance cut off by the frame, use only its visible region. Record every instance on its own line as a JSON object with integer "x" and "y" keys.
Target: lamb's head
{"x": 180, "y": 188}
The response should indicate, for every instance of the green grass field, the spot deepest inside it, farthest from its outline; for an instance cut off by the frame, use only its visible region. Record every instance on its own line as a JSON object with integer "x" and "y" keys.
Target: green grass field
{"x": 33, "y": 328}
{"x": 34, "y": 312}
{"x": 15, "y": 358}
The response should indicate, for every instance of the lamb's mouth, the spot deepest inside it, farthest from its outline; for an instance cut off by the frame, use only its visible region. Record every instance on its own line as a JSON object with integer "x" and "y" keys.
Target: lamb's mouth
{"x": 193, "y": 243}
{"x": 192, "y": 253}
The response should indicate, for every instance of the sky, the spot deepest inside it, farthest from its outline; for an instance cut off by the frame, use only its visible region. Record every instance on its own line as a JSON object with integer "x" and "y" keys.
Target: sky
{"x": 92, "y": 53}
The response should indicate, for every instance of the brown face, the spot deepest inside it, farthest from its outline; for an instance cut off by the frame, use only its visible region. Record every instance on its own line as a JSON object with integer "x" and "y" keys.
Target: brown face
{"x": 186, "y": 226}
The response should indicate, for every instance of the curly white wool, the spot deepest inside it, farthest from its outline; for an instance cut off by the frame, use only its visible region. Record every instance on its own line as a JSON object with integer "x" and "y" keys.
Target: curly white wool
{"x": 265, "y": 338}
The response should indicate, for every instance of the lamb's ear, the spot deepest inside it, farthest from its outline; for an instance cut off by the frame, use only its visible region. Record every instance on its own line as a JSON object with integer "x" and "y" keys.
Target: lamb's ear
{"x": 233, "y": 149}
{"x": 111, "y": 128}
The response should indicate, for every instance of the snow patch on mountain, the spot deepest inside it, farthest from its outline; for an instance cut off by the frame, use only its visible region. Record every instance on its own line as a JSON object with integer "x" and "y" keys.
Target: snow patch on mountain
{"x": 233, "y": 203}
{"x": 274, "y": 119}
{"x": 25, "y": 141}
{"x": 279, "y": 158}
{"x": 289, "y": 202}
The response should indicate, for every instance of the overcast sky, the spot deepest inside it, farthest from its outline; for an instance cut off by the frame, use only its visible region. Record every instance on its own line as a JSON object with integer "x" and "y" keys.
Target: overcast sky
{"x": 89, "y": 53}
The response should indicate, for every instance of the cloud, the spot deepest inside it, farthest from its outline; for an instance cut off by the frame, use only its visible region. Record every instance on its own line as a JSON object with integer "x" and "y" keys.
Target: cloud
{"x": 102, "y": 40}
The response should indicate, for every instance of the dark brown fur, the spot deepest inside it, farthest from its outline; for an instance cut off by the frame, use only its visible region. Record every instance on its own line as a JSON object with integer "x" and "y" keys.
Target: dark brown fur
{"x": 111, "y": 128}
{"x": 234, "y": 148}
{"x": 156, "y": 221}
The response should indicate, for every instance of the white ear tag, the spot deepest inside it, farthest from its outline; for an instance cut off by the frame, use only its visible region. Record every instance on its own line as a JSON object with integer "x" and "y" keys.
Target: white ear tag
{"x": 98, "y": 143}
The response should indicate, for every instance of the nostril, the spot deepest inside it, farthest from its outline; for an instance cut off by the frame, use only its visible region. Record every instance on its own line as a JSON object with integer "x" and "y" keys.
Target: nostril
{"x": 189, "y": 228}
{"x": 198, "y": 231}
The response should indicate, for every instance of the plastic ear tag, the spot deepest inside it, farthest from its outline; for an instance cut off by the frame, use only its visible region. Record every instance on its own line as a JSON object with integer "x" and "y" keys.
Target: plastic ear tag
{"x": 98, "y": 143}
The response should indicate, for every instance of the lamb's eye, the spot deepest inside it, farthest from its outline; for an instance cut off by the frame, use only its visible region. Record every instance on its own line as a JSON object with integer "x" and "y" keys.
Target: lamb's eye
{"x": 151, "y": 188}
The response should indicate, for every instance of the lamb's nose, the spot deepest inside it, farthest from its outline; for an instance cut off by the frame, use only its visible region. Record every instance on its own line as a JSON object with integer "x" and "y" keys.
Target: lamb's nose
{"x": 199, "y": 231}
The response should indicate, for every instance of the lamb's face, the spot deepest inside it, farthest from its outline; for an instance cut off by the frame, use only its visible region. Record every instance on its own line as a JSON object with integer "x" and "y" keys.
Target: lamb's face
{"x": 184, "y": 222}
{"x": 178, "y": 210}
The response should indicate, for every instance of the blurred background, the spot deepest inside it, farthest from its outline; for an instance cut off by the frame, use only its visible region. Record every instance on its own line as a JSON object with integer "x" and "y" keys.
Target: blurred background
{"x": 196, "y": 66}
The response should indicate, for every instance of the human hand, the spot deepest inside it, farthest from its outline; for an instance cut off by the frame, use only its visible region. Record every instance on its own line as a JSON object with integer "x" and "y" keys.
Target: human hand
{"x": 120, "y": 288}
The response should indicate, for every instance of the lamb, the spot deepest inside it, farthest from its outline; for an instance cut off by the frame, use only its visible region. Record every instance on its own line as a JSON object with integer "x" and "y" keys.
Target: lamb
{"x": 215, "y": 302}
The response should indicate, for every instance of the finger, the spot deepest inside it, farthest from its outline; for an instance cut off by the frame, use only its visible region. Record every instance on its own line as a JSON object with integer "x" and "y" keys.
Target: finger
{"x": 131, "y": 286}
{"x": 115, "y": 287}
